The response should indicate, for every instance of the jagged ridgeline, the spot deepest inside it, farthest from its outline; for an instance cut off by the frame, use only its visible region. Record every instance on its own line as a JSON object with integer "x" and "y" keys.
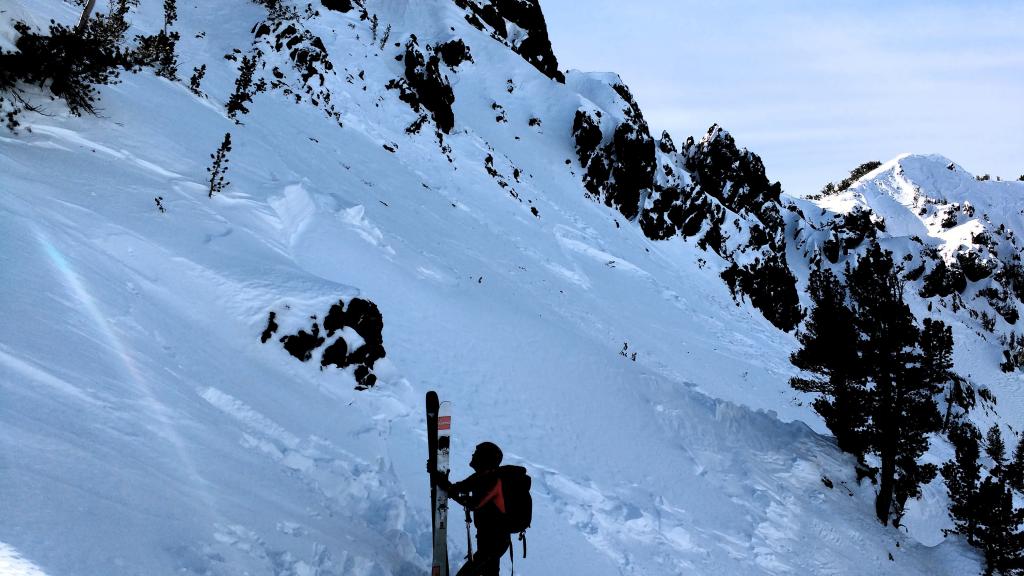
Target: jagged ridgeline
{"x": 952, "y": 233}
{"x": 710, "y": 190}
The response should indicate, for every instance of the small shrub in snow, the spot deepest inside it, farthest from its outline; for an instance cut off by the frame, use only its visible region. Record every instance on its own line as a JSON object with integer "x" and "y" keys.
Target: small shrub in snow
{"x": 949, "y": 218}
{"x": 988, "y": 322}
{"x": 219, "y": 168}
{"x": 157, "y": 50}
{"x": 857, "y": 173}
{"x": 197, "y": 79}
{"x": 244, "y": 89}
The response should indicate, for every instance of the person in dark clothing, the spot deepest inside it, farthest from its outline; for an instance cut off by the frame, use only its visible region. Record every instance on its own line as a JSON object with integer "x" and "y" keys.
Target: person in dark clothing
{"x": 481, "y": 493}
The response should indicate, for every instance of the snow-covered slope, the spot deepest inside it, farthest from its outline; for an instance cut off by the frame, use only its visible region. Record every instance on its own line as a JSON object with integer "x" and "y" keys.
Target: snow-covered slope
{"x": 146, "y": 429}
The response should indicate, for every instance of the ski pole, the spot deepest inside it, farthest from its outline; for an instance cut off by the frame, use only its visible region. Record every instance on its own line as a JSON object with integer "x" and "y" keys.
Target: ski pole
{"x": 469, "y": 539}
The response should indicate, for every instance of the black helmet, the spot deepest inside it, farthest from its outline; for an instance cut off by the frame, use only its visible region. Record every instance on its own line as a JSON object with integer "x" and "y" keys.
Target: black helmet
{"x": 486, "y": 457}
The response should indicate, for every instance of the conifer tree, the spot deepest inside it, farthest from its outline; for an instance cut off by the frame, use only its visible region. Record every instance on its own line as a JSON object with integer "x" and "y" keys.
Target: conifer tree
{"x": 982, "y": 510}
{"x": 829, "y": 352}
{"x": 1015, "y": 469}
{"x": 937, "y": 367}
{"x": 998, "y": 533}
{"x": 995, "y": 449}
{"x": 900, "y": 399}
{"x": 963, "y": 476}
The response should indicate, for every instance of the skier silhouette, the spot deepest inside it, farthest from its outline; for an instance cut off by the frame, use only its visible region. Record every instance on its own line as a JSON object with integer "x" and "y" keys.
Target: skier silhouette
{"x": 481, "y": 493}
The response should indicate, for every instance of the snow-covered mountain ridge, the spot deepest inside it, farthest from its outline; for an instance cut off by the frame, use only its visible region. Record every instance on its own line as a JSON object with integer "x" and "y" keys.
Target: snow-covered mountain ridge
{"x": 955, "y": 235}
{"x": 541, "y": 261}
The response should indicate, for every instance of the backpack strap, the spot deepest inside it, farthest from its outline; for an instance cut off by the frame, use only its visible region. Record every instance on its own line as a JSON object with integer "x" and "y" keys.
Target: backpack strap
{"x": 511, "y": 556}
{"x": 495, "y": 495}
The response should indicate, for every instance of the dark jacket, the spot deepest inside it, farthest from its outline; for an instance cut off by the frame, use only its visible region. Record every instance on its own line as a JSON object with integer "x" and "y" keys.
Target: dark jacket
{"x": 481, "y": 493}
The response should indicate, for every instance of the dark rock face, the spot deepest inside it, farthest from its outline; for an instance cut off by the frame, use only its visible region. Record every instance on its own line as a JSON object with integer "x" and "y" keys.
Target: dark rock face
{"x": 360, "y": 315}
{"x": 534, "y": 46}
{"x": 432, "y": 89}
{"x": 974, "y": 267}
{"x": 848, "y": 232}
{"x": 363, "y": 317}
{"x": 771, "y": 288}
{"x": 306, "y": 50}
{"x": 270, "y": 329}
{"x": 666, "y": 145}
{"x": 727, "y": 180}
{"x": 586, "y": 131}
{"x": 337, "y": 5}
{"x": 723, "y": 180}
{"x": 734, "y": 177}
{"x": 710, "y": 190}
{"x": 680, "y": 210}
{"x": 453, "y": 53}
{"x": 284, "y": 32}
{"x": 302, "y": 344}
{"x": 621, "y": 171}
{"x": 943, "y": 280}
{"x": 425, "y": 86}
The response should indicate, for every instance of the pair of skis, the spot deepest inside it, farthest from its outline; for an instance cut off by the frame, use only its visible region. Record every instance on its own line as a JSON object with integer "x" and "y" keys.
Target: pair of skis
{"x": 439, "y": 433}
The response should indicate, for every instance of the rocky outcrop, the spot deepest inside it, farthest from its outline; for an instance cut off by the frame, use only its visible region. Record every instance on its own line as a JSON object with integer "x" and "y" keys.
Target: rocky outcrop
{"x": 727, "y": 203}
{"x": 619, "y": 168}
{"x": 342, "y": 6}
{"x": 425, "y": 87}
{"x": 711, "y": 190}
{"x": 520, "y": 25}
{"x": 359, "y": 320}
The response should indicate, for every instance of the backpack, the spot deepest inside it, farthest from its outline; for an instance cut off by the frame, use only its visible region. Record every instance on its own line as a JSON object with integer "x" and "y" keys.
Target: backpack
{"x": 515, "y": 488}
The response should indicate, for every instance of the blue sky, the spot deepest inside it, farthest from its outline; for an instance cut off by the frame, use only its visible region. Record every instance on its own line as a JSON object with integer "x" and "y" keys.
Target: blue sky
{"x": 816, "y": 88}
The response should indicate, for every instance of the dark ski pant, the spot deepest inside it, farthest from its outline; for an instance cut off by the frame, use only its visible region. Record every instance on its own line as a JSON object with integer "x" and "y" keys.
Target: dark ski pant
{"x": 487, "y": 557}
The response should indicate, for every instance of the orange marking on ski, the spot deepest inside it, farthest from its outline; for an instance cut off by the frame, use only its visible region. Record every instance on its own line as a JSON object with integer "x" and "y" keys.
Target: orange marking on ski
{"x": 444, "y": 423}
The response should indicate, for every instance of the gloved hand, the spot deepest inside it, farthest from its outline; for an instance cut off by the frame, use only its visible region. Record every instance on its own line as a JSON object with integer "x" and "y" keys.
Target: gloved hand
{"x": 440, "y": 479}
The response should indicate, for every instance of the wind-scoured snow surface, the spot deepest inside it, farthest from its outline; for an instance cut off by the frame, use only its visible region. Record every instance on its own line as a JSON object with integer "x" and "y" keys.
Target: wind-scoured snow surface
{"x": 145, "y": 429}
